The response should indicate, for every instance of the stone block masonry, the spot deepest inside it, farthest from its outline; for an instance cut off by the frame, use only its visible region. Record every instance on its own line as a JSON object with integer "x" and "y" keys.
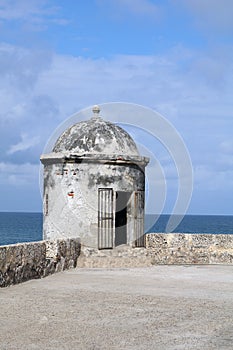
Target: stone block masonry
{"x": 25, "y": 261}
{"x": 22, "y": 262}
{"x": 180, "y": 248}
{"x": 163, "y": 249}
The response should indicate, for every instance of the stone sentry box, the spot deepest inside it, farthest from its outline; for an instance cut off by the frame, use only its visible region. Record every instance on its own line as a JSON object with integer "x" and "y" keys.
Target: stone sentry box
{"x": 94, "y": 186}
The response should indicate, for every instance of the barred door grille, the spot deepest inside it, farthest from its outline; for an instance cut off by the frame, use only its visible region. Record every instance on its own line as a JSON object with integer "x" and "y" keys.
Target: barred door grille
{"x": 139, "y": 218}
{"x": 105, "y": 218}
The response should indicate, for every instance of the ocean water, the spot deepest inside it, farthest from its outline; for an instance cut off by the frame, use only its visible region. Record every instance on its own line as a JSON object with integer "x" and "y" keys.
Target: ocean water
{"x": 27, "y": 227}
{"x": 20, "y": 227}
{"x": 217, "y": 224}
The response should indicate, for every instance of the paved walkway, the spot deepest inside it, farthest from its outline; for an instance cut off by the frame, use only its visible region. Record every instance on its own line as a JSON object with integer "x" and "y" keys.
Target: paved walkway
{"x": 159, "y": 307}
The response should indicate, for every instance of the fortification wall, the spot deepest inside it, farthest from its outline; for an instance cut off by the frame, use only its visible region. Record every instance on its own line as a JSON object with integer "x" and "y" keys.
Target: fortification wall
{"x": 179, "y": 248}
{"x": 22, "y": 262}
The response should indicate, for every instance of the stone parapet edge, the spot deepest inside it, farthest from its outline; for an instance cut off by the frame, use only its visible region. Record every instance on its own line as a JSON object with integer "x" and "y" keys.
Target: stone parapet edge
{"x": 24, "y": 261}
{"x": 189, "y": 248}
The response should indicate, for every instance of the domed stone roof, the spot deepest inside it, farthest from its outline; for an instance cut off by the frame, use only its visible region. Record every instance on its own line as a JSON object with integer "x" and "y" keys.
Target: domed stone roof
{"x": 96, "y": 136}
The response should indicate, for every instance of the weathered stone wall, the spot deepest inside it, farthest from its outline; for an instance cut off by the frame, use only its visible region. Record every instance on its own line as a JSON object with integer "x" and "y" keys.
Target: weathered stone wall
{"x": 22, "y": 262}
{"x": 71, "y": 196}
{"x": 177, "y": 248}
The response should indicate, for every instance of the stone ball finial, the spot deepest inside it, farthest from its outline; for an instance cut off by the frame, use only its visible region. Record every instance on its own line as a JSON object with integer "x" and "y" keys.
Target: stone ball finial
{"x": 96, "y": 110}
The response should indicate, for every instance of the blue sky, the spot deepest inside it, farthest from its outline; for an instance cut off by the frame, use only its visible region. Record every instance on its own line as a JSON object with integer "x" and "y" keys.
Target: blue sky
{"x": 174, "y": 56}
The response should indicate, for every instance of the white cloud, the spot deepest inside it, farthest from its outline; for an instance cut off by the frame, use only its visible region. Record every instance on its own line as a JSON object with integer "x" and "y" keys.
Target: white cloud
{"x": 156, "y": 81}
{"x": 36, "y": 12}
{"x": 209, "y": 179}
{"x": 227, "y": 146}
{"x": 192, "y": 88}
{"x": 138, "y": 8}
{"x": 25, "y": 143}
{"x": 225, "y": 156}
{"x": 212, "y": 14}
{"x": 18, "y": 174}
{"x": 13, "y": 9}
{"x": 19, "y": 67}
{"x": 177, "y": 84}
